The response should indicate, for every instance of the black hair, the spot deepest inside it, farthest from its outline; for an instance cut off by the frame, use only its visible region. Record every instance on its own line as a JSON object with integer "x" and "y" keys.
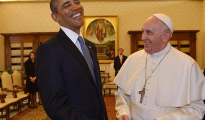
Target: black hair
{"x": 53, "y": 6}
{"x": 29, "y": 58}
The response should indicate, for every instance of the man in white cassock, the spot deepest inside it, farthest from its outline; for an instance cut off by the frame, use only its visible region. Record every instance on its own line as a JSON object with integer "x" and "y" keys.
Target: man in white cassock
{"x": 159, "y": 82}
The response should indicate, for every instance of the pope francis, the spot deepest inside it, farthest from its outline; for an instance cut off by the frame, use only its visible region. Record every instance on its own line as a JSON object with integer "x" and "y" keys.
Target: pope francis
{"x": 159, "y": 82}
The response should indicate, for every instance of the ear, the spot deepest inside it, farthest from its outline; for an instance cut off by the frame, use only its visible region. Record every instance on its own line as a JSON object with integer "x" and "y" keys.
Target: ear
{"x": 167, "y": 36}
{"x": 55, "y": 17}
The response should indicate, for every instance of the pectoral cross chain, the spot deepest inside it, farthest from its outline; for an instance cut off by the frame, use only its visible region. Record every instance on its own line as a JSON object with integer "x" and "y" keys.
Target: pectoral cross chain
{"x": 142, "y": 93}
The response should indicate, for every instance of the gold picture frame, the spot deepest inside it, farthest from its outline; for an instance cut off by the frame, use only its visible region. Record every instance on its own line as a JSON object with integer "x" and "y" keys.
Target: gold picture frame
{"x": 103, "y": 32}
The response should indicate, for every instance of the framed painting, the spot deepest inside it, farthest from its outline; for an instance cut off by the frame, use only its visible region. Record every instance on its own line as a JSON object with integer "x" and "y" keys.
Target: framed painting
{"x": 103, "y": 32}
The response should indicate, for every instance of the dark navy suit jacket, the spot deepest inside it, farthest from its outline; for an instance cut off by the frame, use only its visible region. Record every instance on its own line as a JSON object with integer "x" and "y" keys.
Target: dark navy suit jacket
{"x": 117, "y": 64}
{"x": 66, "y": 85}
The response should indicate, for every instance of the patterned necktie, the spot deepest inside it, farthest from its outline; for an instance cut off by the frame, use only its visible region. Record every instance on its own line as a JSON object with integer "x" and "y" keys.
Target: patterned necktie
{"x": 87, "y": 56}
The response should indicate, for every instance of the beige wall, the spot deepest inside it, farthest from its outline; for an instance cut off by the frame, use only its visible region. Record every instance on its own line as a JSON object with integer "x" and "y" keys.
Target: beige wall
{"x": 35, "y": 17}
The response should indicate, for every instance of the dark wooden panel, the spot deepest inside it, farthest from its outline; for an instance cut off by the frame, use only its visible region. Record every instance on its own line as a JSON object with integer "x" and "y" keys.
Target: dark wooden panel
{"x": 35, "y": 38}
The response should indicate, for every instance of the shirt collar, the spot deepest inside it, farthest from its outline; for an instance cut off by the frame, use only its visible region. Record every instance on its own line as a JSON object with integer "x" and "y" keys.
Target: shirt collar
{"x": 72, "y": 35}
{"x": 163, "y": 52}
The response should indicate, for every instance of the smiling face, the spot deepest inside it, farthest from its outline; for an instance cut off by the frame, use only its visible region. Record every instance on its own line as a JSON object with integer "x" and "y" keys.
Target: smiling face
{"x": 69, "y": 14}
{"x": 155, "y": 35}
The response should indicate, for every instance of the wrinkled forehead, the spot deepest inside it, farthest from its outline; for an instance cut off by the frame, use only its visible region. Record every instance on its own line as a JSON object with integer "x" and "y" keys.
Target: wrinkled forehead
{"x": 152, "y": 23}
{"x": 59, "y": 3}
{"x": 154, "y": 20}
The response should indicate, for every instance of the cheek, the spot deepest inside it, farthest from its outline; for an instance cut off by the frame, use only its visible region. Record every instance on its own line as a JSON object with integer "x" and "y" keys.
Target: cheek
{"x": 152, "y": 39}
{"x": 64, "y": 15}
{"x": 81, "y": 7}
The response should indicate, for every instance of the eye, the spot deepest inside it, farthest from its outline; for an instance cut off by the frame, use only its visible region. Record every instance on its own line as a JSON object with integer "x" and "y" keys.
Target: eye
{"x": 66, "y": 5}
{"x": 149, "y": 32}
{"x": 77, "y": 2}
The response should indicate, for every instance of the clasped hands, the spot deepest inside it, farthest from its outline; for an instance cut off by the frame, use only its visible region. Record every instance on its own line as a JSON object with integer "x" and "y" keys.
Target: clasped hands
{"x": 33, "y": 79}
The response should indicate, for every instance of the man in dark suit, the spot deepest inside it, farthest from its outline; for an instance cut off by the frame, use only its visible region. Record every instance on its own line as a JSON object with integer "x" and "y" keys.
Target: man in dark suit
{"x": 69, "y": 83}
{"x": 119, "y": 60}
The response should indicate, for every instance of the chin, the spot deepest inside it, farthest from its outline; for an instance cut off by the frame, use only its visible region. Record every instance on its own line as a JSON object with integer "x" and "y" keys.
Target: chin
{"x": 146, "y": 50}
{"x": 80, "y": 23}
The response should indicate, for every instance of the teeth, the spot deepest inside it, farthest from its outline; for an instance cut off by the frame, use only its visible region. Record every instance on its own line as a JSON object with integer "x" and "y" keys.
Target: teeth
{"x": 146, "y": 43}
{"x": 76, "y": 15}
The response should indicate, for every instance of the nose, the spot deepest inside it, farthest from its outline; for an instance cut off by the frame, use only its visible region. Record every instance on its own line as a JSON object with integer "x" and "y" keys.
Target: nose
{"x": 75, "y": 7}
{"x": 143, "y": 36}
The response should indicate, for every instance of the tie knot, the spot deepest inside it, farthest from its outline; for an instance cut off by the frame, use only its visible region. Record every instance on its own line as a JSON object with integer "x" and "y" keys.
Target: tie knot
{"x": 80, "y": 39}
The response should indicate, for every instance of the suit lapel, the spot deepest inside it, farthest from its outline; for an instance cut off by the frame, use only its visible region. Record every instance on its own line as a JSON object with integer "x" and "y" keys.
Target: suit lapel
{"x": 123, "y": 59}
{"x": 119, "y": 59}
{"x": 71, "y": 47}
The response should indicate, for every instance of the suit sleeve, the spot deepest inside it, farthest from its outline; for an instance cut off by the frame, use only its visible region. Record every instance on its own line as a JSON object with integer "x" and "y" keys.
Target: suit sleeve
{"x": 52, "y": 90}
{"x": 27, "y": 72}
{"x": 125, "y": 58}
{"x": 115, "y": 64}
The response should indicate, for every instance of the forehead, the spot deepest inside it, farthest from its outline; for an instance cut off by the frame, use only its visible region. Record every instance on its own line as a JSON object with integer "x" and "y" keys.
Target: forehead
{"x": 69, "y": 1}
{"x": 32, "y": 54}
{"x": 60, "y": 3}
{"x": 152, "y": 23}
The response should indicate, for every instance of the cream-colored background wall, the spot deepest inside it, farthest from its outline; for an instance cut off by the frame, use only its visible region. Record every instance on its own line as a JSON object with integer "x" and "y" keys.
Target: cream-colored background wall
{"x": 35, "y": 17}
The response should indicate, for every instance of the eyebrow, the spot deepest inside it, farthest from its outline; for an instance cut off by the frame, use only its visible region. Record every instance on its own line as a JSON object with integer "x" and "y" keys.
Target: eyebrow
{"x": 65, "y": 3}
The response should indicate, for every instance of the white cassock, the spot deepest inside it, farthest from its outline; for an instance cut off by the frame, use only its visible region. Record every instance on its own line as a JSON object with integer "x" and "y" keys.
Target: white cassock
{"x": 174, "y": 91}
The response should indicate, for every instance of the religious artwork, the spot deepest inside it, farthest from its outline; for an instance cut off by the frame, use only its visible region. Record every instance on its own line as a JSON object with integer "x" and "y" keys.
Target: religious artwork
{"x": 103, "y": 32}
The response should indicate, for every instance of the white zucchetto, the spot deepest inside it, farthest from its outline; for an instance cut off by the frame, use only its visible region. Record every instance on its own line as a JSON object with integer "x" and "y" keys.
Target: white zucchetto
{"x": 165, "y": 19}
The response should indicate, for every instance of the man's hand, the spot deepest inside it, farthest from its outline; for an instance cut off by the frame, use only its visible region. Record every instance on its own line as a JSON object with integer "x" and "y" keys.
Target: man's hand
{"x": 124, "y": 117}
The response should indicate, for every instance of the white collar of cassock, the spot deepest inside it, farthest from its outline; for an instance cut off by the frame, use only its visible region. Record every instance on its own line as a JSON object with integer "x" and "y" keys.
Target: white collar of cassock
{"x": 161, "y": 53}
